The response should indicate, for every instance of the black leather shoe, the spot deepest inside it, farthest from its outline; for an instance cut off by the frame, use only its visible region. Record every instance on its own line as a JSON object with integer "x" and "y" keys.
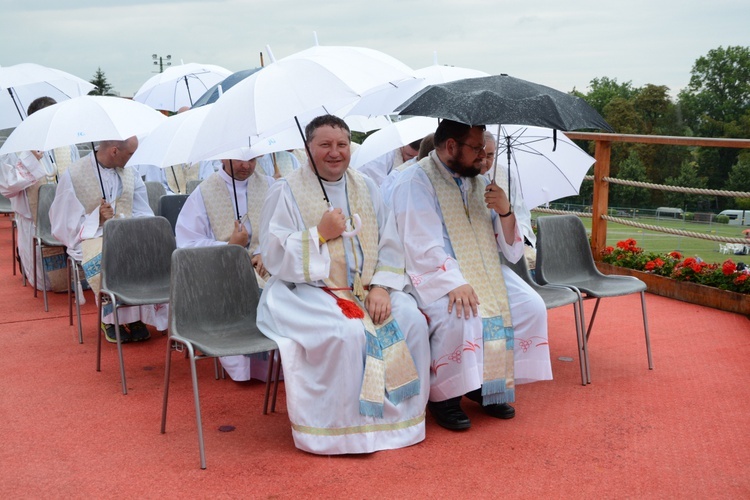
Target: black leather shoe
{"x": 500, "y": 410}
{"x": 449, "y": 414}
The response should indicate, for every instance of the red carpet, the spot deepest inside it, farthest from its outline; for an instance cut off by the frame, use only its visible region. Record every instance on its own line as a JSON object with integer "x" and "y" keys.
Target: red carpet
{"x": 679, "y": 431}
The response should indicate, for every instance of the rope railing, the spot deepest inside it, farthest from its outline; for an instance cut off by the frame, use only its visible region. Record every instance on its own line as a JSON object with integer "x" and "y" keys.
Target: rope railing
{"x": 675, "y": 189}
{"x": 648, "y": 227}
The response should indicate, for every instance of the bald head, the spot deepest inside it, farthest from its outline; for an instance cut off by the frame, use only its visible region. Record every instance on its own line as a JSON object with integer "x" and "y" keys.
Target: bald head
{"x": 115, "y": 154}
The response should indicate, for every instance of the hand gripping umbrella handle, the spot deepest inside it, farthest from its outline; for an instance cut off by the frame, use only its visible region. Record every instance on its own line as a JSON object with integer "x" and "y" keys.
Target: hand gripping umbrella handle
{"x": 356, "y": 225}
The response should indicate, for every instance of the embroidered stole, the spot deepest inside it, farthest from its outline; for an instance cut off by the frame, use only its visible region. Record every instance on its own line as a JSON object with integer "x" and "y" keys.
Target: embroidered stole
{"x": 221, "y": 212}
{"x": 472, "y": 236}
{"x": 178, "y": 176}
{"x": 89, "y": 193}
{"x": 389, "y": 367}
{"x": 62, "y": 159}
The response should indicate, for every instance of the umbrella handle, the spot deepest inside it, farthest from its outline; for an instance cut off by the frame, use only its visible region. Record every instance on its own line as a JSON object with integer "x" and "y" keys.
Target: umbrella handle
{"x": 356, "y": 226}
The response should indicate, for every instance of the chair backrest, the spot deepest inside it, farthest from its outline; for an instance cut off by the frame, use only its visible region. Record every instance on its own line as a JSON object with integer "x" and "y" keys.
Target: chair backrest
{"x": 521, "y": 268}
{"x": 563, "y": 251}
{"x": 5, "y": 206}
{"x": 155, "y": 191}
{"x": 43, "y": 224}
{"x": 212, "y": 287}
{"x": 136, "y": 251}
{"x": 191, "y": 185}
{"x": 170, "y": 206}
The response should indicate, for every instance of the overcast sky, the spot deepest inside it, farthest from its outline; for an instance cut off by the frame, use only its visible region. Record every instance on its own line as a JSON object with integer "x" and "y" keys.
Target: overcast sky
{"x": 559, "y": 44}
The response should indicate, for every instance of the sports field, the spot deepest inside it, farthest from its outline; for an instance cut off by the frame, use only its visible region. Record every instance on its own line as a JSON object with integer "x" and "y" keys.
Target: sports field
{"x": 653, "y": 241}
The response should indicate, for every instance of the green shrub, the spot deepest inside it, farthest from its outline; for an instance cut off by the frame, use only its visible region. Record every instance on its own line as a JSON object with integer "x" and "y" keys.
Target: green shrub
{"x": 689, "y": 216}
{"x": 721, "y": 219}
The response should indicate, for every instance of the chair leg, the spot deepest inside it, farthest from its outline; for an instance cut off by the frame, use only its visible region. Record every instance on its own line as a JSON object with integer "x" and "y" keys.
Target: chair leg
{"x": 593, "y": 316}
{"x": 117, "y": 337}
{"x": 196, "y": 397}
{"x": 167, "y": 370}
{"x": 269, "y": 374}
{"x": 13, "y": 241}
{"x": 44, "y": 279}
{"x": 277, "y": 373}
{"x": 119, "y": 345}
{"x": 77, "y": 275}
{"x": 585, "y": 339}
{"x": 35, "y": 275}
{"x": 645, "y": 328}
{"x": 70, "y": 295}
{"x": 579, "y": 333}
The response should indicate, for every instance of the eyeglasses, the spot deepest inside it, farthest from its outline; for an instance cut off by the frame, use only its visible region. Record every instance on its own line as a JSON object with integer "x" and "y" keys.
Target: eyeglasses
{"x": 477, "y": 149}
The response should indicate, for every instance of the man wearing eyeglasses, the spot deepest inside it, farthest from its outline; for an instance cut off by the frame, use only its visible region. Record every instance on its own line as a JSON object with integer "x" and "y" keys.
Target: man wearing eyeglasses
{"x": 488, "y": 329}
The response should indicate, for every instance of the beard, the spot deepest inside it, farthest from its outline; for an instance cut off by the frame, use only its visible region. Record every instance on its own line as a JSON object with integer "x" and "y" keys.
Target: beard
{"x": 462, "y": 167}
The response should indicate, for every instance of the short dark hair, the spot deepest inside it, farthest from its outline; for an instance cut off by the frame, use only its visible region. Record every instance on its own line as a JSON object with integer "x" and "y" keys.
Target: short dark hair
{"x": 448, "y": 129}
{"x": 39, "y": 103}
{"x": 326, "y": 121}
{"x": 427, "y": 145}
{"x": 415, "y": 145}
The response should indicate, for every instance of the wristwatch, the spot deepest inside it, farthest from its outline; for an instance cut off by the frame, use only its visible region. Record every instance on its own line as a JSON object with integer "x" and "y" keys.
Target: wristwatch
{"x": 386, "y": 288}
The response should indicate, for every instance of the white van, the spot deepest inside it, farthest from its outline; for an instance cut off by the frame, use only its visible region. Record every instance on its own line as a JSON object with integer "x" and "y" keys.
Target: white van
{"x": 737, "y": 217}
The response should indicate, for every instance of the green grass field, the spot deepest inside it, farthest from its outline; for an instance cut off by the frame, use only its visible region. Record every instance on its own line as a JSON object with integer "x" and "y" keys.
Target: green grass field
{"x": 653, "y": 241}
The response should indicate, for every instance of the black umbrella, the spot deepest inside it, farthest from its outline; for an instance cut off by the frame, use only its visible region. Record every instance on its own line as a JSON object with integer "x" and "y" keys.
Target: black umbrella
{"x": 213, "y": 93}
{"x": 503, "y": 99}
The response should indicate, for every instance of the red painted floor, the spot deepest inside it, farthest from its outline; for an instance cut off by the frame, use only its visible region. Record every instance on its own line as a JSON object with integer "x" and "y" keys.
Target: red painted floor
{"x": 679, "y": 431}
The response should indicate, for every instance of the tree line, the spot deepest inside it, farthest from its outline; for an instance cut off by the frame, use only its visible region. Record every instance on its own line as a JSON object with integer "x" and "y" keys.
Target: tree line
{"x": 715, "y": 103}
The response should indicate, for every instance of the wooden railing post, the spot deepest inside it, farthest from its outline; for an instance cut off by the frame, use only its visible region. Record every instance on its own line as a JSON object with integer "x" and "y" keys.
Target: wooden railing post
{"x": 600, "y": 207}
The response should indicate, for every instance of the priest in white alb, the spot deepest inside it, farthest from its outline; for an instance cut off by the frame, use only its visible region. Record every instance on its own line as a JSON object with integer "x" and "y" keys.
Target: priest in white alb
{"x": 488, "y": 328}
{"x": 353, "y": 345}
{"x": 225, "y": 209}
{"x": 83, "y": 202}
{"x": 21, "y": 175}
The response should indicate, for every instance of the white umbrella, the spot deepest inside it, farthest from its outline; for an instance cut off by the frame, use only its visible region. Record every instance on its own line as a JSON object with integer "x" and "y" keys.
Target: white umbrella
{"x": 544, "y": 168}
{"x": 443, "y": 74}
{"x": 180, "y": 86}
{"x": 268, "y": 101}
{"x": 385, "y": 101}
{"x": 366, "y": 124}
{"x": 172, "y": 141}
{"x": 82, "y": 119}
{"x": 393, "y": 136}
{"x": 20, "y": 84}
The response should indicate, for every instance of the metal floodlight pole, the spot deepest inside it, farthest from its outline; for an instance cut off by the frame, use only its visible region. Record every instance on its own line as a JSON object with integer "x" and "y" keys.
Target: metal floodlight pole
{"x": 161, "y": 61}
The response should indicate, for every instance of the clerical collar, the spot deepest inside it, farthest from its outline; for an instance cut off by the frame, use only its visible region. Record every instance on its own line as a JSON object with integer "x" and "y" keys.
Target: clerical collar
{"x": 334, "y": 183}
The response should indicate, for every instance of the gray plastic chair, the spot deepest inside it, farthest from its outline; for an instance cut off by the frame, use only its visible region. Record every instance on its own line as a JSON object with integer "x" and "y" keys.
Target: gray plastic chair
{"x": 564, "y": 258}
{"x": 135, "y": 267}
{"x": 556, "y": 296}
{"x": 213, "y": 304}
{"x": 191, "y": 185}
{"x": 170, "y": 206}
{"x": 43, "y": 237}
{"x": 155, "y": 191}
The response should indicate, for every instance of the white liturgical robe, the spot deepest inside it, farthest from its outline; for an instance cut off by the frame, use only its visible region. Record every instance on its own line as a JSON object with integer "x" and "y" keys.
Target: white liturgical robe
{"x": 322, "y": 351}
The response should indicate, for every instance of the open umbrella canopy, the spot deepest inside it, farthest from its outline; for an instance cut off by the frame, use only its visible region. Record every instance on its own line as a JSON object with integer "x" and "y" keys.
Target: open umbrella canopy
{"x": 82, "y": 119}
{"x": 172, "y": 142}
{"x": 180, "y": 86}
{"x": 504, "y": 99}
{"x": 227, "y": 83}
{"x": 545, "y": 168}
{"x": 442, "y": 74}
{"x": 20, "y": 84}
{"x": 268, "y": 102}
{"x": 393, "y": 136}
